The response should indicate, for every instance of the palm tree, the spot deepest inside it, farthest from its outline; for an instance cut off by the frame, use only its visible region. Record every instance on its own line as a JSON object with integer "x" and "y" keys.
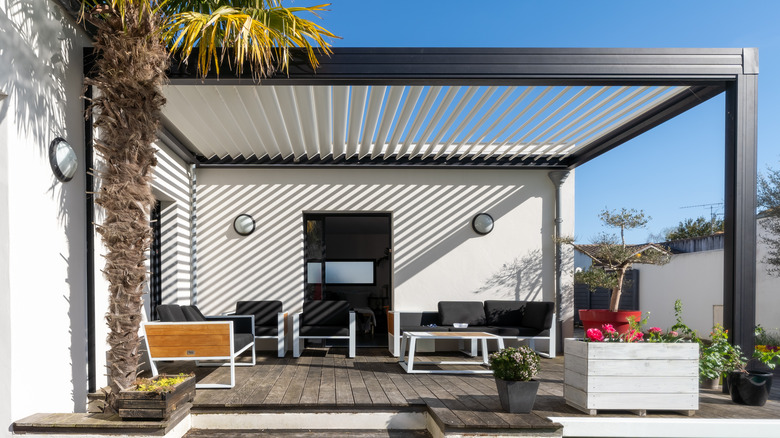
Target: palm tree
{"x": 134, "y": 40}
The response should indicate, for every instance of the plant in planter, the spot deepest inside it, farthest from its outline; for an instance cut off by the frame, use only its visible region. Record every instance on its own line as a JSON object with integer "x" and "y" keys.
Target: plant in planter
{"x": 156, "y": 398}
{"x": 750, "y": 382}
{"x": 612, "y": 257}
{"x": 715, "y": 357}
{"x": 513, "y": 369}
{"x": 634, "y": 370}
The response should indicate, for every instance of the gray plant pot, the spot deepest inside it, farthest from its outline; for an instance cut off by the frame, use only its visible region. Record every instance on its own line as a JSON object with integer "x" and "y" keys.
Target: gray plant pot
{"x": 517, "y": 397}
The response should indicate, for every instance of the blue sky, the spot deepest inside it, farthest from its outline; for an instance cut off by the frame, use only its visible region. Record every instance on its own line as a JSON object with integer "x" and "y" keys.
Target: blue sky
{"x": 676, "y": 165}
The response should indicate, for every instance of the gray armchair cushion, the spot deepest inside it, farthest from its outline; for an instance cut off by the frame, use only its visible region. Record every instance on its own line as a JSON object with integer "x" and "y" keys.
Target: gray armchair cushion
{"x": 265, "y": 312}
{"x": 324, "y": 330}
{"x": 470, "y": 312}
{"x": 266, "y": 331}
{"x": 170, "y": 313}
{"x": 519, "y": 331}
{"x": 325, "y": 313}
{"x": 241, "y": 340}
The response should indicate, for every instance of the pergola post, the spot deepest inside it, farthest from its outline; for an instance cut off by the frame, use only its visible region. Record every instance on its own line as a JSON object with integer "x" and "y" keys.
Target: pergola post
{"x": 739, "y": 273}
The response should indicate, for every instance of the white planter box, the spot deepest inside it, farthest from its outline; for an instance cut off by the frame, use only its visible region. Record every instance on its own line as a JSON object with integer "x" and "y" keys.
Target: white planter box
{"x": 631, "y": 376}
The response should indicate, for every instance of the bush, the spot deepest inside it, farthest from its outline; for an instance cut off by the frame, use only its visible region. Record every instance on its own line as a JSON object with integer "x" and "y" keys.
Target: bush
{"x": 511, "y": 363}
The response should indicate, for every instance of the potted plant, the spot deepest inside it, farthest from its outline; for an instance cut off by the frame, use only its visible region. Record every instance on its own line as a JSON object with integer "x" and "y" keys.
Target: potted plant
{"x": 715, "y": 357}
{"x": 513, "y": 368}
{"x": 750, "y": 382}
{"x": 156, "y": 398}
{"x": 635, "y": 370}
{"x": 612, "y": 257}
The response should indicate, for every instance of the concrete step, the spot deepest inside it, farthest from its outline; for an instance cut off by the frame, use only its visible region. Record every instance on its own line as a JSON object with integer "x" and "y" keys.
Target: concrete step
{"x": 324, "y": 433}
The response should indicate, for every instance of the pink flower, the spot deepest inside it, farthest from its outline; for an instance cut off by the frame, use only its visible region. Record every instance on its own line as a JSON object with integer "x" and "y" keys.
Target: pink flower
{"x": 608, "y": 328}
{"x": 674, "y": 333}
{"x": 655, "y": 330}
{"x": 594, "y": 335}
{"x": 635, "y": 336}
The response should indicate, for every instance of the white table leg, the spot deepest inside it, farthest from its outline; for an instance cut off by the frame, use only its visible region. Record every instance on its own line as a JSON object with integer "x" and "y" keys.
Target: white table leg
{"x": 484, "y": 351}
{"x": 412, "y": 346}
{"x": 403, "y": 348}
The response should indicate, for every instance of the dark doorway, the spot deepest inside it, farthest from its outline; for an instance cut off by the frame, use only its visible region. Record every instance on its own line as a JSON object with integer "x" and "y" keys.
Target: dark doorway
{"x": 348, "y": 257}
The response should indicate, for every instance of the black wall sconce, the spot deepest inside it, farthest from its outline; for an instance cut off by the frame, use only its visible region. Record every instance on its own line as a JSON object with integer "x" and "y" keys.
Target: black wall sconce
{"x": 244, "y": 224}
{"x": 482, "y": 223}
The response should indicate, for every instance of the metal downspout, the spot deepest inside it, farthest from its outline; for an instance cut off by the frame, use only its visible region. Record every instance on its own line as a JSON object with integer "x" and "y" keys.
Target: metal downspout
{"x": 193, "y": 237}
{"x": 558, "y": 177}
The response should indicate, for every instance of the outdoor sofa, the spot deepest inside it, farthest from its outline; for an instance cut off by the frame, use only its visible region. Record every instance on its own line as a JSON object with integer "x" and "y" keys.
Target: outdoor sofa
{"x": 324, "y": 320}
{"x": 184, "y": 333}
{"x": 514, "y": 320}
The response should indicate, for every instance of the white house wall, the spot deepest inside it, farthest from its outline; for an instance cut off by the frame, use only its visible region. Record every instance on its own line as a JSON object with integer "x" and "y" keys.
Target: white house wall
{"x": 171, "y": 186}
{"x": 695, "y": 278}
{"x": 436, "y": 254}
{"x": 42, "y": 221}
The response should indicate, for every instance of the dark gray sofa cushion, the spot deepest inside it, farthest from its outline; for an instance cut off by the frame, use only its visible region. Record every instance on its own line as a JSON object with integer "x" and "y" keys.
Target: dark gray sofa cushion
{"x": 504, "y": 313}
{"x": 325, "y": 313}
{"x": 193, "y": 313}
{"x": 538, "y": 315}
{"x": 519, "y": 331}
{"x": 241, "y": 340}
{"x": 470, "y": 312}
{"x": 476, "y": 328}
{"x": 266, "y": 331}
{"x": 170, "y": 313}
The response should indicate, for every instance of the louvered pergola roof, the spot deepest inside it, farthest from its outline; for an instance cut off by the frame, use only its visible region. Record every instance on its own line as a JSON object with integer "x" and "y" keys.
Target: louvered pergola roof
{"x": 554, "y": 108}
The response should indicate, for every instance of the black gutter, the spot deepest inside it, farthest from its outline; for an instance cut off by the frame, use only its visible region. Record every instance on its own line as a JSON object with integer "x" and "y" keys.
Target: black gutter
{"x": 90, "y": 256}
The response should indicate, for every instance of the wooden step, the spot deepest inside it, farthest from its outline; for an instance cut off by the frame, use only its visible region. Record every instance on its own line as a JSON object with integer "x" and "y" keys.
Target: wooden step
{"x": 324, "y": 433}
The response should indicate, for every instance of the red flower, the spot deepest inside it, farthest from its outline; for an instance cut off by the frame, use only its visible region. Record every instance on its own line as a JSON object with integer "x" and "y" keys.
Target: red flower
{"x": 594, "y": 335}
{"x": 655, "y": 330}
{"x": 609, "y": 328}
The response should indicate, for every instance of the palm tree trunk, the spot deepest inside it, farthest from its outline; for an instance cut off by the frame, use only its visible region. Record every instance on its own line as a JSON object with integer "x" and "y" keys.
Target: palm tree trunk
{"x": 130, "y": 72}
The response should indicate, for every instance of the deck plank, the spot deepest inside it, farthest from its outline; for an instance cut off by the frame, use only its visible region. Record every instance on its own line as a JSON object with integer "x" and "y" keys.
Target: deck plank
{"x": 294, "y": 391}
{"x": 343, "y": 389}
{"x": 327, "y": 394}
{"x": 360, "y": 392}
{"x": 311, "y": 389}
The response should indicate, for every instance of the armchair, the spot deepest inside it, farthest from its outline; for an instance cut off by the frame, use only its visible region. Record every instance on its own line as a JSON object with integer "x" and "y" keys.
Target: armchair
{"x": 270, "y": 320}
{"x": 324, "y": 320}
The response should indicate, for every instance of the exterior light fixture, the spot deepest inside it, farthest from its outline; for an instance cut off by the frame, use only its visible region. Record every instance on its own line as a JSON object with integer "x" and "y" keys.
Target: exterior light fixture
{"x": 62, "y": 159}
{"x": 244, "y": 224}
{"x": 482, "y": 223}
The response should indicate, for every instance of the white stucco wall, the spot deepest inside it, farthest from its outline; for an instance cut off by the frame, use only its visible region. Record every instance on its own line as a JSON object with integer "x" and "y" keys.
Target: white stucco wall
{"x": 767, "y": 287}
{"x": 436, "y": 254}
{"x": 42, "y": 231}
{"x": 695, "y": 278}
{"x": 171, "y": 186}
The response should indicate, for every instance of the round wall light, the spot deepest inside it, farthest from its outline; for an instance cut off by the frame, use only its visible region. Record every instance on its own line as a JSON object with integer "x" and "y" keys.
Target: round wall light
{"x": 244, "y": 224}
{"x": 482, "y": 223}
{"x": 62, "y": 159}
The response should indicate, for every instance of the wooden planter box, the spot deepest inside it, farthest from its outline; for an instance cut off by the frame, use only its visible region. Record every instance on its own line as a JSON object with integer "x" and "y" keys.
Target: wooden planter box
{"x": 145, "y": 405}
{"x": 631, "y": 376}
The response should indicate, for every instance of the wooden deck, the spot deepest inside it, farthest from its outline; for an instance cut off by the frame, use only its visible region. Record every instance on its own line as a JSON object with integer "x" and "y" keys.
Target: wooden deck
{"x": 326, "y": 380}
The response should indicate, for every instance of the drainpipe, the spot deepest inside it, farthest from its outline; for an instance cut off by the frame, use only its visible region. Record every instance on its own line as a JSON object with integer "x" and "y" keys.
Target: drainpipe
{"x": 193, "y": 237}
{"x": 558, "y": 177}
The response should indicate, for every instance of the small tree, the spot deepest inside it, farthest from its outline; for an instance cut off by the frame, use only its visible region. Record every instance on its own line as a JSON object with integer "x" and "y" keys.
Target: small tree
{"x": 612, "y": 257}
{"x": 699, "y": 227}
{"x": 769, "y": 201}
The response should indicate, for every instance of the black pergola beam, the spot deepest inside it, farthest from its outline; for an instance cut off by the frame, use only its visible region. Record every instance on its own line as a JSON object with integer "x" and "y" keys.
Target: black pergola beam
{"x": 739, "y": 283}
{"x": 489, "y": 66}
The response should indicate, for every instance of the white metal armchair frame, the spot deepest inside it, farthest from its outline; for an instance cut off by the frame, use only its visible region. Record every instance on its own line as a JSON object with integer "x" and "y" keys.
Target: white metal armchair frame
{"x": 280, "y": 334}
{"x": 298, "y": 339}
{"x": 198, "y": 341}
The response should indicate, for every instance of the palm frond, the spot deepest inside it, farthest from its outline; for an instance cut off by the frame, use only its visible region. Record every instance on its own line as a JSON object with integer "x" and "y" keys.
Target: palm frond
{"x": 260, "y": 33}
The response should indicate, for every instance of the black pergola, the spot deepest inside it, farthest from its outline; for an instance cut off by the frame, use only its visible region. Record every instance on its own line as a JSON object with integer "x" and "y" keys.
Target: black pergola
{"x": 704, "y": 72}
{"x": 708, "y": 72}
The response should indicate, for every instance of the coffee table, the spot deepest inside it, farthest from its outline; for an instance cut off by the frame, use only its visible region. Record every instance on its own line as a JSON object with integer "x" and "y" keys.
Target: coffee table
{"x": 412, "y": 337}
